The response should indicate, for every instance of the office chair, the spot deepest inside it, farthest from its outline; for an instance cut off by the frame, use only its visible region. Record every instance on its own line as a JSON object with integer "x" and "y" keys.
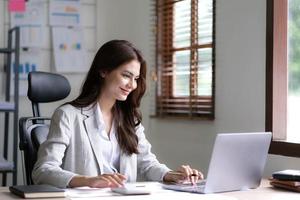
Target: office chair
{"x": 43, "y": 87}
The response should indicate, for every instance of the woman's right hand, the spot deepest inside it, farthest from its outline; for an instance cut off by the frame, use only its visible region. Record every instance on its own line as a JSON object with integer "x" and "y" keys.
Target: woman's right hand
{"x": 101, "y": 181}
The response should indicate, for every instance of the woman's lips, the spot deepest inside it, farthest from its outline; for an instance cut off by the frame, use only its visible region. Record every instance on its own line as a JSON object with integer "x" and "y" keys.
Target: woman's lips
{"x": 125, "y": 91}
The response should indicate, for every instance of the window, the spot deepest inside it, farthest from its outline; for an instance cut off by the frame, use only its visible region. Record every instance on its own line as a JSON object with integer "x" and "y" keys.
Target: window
{"x": 185, "y": 58}
{"x": 283, "y": 76}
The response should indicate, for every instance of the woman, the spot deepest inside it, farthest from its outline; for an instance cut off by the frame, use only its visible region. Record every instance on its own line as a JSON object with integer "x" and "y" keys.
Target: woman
{"x": 97, "y": 140}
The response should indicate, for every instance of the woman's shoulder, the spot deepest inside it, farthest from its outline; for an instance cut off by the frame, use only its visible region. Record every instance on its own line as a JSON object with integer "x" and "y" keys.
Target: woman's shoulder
{"x": 68, "y": 108}
{"x": 139, "y": 130}
{"x": 73, "y": 111}
{"x": 67, "y": 111}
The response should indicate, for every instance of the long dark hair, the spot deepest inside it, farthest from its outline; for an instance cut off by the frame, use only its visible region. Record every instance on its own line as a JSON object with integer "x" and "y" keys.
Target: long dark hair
{"x": 126, "y": 113}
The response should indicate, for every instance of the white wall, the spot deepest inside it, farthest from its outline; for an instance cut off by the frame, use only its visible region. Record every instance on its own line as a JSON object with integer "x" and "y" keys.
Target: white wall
{"x": 240, "y": 78}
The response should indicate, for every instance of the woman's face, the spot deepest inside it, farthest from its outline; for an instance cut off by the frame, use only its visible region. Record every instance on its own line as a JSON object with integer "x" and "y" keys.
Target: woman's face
{"x": 120, "y": 82}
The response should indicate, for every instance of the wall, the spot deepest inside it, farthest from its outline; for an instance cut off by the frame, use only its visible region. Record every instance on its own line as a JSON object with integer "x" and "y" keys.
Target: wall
{"x": 240, "y": 78}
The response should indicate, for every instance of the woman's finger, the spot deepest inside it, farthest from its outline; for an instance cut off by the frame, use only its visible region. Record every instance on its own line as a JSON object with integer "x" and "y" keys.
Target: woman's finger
{"x": 118, "y": 178}
{"x": 185, "y": 170}
{"x": 192, "y": 175}
{"x": 99, "y": 182}
{"x": 113, "y": 182}
{"x": 177, "y": 176}
{"x": 200, "y": 175}
{"x": 195, "y": 176}
{"x": 189, "y": 173}
{"x": 121, "y": 176}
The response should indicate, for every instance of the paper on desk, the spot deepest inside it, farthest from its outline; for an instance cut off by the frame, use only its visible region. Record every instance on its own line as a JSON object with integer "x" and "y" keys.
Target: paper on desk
{"x": 157, "y": 193}
{"x": 159, "y": 196}
{"x": 88, "y": 192}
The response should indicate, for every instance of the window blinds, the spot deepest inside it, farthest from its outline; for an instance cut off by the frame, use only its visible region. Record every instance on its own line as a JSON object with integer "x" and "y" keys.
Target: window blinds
{"x": 185, "y": 58}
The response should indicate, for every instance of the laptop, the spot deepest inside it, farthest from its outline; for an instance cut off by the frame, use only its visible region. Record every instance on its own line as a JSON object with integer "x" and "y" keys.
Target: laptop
{"x": 237, "y": 163}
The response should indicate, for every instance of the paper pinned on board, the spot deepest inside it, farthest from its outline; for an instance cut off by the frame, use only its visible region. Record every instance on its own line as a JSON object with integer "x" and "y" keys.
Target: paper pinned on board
{"x": 69, "y": 52}
{"x": 32, "y": 23}
{"x": 30, "y": 60}
{"x": 64, "y": 12}
{"x": 16, "y": 5}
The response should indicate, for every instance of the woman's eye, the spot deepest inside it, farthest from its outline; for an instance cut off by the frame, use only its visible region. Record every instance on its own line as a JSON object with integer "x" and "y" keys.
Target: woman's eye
{"x": 126, "y": 75}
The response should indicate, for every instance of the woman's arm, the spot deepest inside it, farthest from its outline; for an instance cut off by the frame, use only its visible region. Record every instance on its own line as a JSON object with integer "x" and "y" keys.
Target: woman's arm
{"x": 47, "y": 169}
{"x": 51, "y": 155}
{"x": 147, "y": 164}
{"x": 153, "y": 170}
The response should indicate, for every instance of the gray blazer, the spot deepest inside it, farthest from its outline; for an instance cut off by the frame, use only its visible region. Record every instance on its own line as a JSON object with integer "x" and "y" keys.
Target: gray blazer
{"x": 73, "y": 148}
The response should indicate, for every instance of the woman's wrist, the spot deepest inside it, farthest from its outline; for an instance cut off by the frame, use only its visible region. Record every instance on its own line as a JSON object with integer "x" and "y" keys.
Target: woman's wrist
{"x": 169, "y": 176}
{"x": 165, "y": 178}
{"x": 78, "y": 181}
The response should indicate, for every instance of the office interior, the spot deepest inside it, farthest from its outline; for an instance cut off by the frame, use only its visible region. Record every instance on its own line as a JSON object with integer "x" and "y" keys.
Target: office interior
{"x": 240, "y": 77}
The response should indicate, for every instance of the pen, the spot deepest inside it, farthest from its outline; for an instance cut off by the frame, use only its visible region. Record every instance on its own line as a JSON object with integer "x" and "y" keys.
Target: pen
{"x": 181, "y": 174}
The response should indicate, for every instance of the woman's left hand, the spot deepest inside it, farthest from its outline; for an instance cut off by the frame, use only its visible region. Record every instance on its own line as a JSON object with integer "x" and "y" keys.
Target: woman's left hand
{"x": 183, "y": 173}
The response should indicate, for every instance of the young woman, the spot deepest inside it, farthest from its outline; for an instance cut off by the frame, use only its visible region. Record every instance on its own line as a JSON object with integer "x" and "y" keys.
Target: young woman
{"x": 97, "y": 140}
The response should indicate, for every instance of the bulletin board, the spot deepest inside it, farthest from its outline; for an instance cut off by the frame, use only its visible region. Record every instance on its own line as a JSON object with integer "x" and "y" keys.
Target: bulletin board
{"x": 56, "y": 35}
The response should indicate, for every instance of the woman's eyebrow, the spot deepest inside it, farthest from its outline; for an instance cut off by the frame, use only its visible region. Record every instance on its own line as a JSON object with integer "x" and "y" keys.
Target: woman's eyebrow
{"x": 131, "y": 74}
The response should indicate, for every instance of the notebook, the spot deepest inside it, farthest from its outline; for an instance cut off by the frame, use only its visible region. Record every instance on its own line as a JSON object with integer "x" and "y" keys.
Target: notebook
{"x": 237, "y": 163}
{"x": 288, "y": 175}
{"x": 37, "y": 191}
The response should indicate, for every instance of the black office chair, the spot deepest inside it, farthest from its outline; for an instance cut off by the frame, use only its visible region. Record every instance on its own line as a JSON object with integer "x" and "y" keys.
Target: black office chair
{"x": 43, "y": 87}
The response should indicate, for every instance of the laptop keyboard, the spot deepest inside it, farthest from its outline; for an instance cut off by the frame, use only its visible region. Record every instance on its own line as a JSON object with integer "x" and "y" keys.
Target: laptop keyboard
{"x": 198, "y": 187}
{"x": 188, "y": 187}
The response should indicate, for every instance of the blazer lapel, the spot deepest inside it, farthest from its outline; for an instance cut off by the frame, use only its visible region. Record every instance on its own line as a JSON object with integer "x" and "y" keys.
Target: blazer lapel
{"x": 92, "y": 129}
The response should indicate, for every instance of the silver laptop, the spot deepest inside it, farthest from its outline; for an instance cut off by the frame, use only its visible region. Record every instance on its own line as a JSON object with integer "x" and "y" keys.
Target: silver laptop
{"x": 237, "y": 163}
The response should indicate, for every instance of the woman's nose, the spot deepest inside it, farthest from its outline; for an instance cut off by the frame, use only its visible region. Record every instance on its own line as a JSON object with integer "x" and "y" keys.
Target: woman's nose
{"x": 132, "y": 84}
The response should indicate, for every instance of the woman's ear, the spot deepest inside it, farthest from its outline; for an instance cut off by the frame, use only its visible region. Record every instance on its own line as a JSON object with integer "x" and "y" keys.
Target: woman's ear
{"x": 102, "y": 74}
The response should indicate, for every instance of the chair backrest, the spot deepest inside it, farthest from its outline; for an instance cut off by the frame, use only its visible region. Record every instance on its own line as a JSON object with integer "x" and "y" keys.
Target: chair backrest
{"x": 44, "y": 87}
{"x": 31, "y": 136}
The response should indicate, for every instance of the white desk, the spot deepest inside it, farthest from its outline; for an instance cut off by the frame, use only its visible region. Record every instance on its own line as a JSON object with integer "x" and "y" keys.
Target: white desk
{"x": 265, "y": 192}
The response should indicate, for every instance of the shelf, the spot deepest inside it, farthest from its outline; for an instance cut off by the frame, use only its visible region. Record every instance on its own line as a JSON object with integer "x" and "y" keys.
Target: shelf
{"x": 7, "y": 106}
{"x": 6, "y": 166}
{"x": 6, "y": 50}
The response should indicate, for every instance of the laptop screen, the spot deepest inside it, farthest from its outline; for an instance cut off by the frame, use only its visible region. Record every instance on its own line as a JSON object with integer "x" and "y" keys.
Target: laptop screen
{"x": 237, "y": 161}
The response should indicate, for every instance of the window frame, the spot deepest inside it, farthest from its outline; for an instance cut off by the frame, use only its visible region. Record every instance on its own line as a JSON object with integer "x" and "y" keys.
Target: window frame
{"x": 191, "y": 100}
{"x": 276, "y": 78}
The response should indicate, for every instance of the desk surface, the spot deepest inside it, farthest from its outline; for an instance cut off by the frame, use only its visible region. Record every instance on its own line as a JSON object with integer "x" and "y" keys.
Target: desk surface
{"x": 265, "y": 191}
